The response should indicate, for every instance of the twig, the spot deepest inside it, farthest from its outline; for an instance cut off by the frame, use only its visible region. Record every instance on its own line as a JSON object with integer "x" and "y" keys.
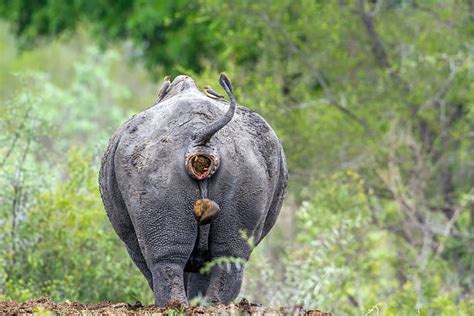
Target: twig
{"x": 319, "y": 77}
{"x": 449, "y": 81}
{"x": 378, "y": 48}
{"x": 377, "y": 7}
{"x": 19, "y": 129}
{"x": 470, "y": 4}
{"x": 15, "y": 138}
{"x": 443, "y": 90}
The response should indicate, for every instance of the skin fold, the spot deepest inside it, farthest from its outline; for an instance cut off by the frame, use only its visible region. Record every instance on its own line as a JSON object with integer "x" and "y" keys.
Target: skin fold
{"x": 153, "y": 203}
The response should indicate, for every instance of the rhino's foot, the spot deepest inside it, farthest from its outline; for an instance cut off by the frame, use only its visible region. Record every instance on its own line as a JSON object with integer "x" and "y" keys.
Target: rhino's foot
{"x": 176, "y": 304}
{"x": 205, "y": 211}
{"x": 225, "y": 284}
{"x": 168, "y": 285}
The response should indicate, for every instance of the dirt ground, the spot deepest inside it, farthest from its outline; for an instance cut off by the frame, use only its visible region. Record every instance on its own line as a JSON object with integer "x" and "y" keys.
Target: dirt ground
{"x": 45, "y": 306}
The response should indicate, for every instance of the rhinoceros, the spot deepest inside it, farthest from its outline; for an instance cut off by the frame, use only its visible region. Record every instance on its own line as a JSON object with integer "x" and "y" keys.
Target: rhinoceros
{"x": 182, "y": 182}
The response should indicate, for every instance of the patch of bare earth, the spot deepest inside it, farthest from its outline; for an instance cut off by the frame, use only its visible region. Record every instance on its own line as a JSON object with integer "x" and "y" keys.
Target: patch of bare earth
{"x": 44, "y": 305}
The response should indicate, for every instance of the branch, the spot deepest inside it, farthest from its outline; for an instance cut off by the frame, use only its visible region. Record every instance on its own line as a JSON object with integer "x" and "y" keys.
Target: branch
{"x": 377, "y": 7}
{"x": 443, "y": 90}
{"x": 378, "y": 48}
{"x": 470, "y": 5}
{"x": 448, "y": 228}
{"x": 17, "y": 204}
{"x": 317, "y": 74}
{"x": 449, "y": 81}
{"x": 15, "y": 138}
{"x": 19, "y": 129}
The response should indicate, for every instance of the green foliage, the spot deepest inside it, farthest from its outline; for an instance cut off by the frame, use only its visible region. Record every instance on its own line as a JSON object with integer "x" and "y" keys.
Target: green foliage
{"x": 67, "y": 245}
{"x": 164, "y": 32}
{"x": 55, "y": 237}
{"x": 235, "y": 261}
{"x": 373, "y": 104}
{"x": 345, "y": 263}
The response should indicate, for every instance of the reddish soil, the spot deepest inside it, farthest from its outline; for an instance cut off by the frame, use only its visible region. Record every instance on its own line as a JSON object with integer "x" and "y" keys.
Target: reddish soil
{"x": 42, "y": 305}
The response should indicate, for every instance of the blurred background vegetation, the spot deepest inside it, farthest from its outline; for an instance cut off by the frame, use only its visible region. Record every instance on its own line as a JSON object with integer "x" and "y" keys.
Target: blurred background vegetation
{"x": 373, "y": 102}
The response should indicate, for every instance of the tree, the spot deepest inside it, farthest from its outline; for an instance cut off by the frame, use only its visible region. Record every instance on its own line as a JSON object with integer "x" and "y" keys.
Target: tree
{"x": 378, "y": 90}
{"x": 167, "y": 33}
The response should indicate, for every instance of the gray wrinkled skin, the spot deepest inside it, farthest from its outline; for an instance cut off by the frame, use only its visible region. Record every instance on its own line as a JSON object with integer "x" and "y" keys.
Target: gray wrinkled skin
{"x": 149, "y": 196}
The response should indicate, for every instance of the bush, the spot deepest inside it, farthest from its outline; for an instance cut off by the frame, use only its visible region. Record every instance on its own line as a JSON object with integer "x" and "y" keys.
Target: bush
{"x": 345, "y": 263}
{"x": 68, "y": 248}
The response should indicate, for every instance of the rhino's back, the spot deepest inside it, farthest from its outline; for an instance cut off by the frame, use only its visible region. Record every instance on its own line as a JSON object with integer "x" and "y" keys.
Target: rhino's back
{"x": 153, "y": 143}
{"x": 165, "y": 130}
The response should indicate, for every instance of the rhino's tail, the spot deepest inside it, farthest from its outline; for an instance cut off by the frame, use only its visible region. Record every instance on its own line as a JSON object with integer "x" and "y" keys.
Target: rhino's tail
{"x": 202, "y": 136}
{"x": 202, "y": 161}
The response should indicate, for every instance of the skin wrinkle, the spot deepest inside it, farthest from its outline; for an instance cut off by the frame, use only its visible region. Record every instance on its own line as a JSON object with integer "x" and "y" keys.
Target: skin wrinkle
{"x": 149, "y": 195}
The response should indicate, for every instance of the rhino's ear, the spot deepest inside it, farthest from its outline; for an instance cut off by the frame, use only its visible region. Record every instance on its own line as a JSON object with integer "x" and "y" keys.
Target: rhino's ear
{"x": 225, "y": 83}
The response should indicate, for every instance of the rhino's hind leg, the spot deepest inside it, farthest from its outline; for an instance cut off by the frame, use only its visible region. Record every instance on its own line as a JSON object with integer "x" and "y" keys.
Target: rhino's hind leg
{"x": 122, "y": 224}
{"x": 117, "y": 211}
{"x": 141, "y": 264}
{"x": 196, "y": 284}
{"x": 165, "y": 227}
{"x": 225, "y": 242}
